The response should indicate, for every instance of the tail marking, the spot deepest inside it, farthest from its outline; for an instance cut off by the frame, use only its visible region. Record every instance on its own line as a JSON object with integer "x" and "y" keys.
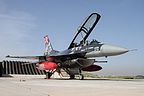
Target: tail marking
{"x": 48, "y": 46}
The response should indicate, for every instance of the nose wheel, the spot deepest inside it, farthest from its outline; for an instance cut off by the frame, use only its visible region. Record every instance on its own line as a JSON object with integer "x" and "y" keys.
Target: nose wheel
{"x": 81, "y": 77}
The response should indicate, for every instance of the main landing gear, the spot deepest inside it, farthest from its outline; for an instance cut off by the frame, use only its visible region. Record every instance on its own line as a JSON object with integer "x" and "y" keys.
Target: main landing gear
{"x": 48, "y": 75}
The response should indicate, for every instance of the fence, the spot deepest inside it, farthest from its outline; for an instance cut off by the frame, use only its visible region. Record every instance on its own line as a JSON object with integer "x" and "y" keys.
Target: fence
{"x": 19, "y": 67}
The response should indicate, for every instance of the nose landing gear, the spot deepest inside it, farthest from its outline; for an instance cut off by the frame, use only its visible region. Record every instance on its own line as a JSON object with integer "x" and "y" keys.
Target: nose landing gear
{"x": 81, "y": 76}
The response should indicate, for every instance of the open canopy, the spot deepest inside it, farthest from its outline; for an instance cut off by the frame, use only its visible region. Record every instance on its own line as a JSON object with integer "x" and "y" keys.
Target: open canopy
{"x": 84, "y": 30}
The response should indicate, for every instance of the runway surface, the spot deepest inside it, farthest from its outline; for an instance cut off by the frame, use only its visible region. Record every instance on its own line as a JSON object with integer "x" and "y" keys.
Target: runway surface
{"x": 37, "y": 86}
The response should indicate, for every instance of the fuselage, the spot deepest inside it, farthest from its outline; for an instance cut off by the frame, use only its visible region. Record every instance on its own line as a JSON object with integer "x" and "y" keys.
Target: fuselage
{"x": 94, "y": 49}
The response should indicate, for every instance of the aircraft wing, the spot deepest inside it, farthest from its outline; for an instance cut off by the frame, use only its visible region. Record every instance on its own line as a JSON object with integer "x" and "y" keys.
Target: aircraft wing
{"x": 44, "y": 58}
{"x": 84, "y": 30}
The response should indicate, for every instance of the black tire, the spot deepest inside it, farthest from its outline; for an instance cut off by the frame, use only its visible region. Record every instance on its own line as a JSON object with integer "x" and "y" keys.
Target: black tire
{"x": 72, "y": 76}
{"x": 48, "y": 75}
{"x": 81, "y": 77}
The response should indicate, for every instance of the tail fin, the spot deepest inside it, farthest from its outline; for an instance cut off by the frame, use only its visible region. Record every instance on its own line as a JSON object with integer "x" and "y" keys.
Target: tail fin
{"x": 48, "y": 46}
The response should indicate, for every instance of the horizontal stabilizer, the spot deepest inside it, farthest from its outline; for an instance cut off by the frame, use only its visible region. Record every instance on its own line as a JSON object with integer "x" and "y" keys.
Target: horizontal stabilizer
{"x": 28, "y": 57}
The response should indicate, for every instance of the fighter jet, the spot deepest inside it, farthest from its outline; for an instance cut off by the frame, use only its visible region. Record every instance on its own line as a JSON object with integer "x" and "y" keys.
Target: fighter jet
{"x": 78, "y": 56}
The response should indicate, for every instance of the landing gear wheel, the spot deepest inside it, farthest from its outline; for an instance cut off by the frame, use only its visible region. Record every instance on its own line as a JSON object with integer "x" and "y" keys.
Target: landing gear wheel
{"x": 81, "y": 77}
{"x": 48, "y": 75}
{"x": 72, "y": 76}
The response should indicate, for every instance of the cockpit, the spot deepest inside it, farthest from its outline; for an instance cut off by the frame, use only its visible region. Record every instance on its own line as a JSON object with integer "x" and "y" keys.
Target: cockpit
{"x": 86, "y": 43}
{"x": 94, "y": 42}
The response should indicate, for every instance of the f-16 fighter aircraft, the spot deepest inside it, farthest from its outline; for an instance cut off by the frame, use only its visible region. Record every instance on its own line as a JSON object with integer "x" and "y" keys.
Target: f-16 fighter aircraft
{"x": 78, "y": 56}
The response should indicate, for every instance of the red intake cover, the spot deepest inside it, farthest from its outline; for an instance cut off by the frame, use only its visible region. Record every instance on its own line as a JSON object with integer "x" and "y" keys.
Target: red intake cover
{"x": 49, "y": 65}
{"x": 92, "y": 68}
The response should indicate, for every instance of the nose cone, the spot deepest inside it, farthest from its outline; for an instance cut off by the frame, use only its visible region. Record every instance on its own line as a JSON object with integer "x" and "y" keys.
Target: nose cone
{"x": 111, "y": 50}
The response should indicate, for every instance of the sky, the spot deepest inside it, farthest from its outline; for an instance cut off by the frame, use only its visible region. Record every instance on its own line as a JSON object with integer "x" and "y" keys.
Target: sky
{"x": 24, "y": 23}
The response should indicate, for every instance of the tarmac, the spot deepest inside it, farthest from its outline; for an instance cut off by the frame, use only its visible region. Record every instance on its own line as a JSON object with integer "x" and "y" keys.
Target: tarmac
{"x": 38, "y": 86}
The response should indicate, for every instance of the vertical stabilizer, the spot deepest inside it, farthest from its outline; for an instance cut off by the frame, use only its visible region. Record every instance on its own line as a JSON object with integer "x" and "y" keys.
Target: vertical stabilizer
{"x": 48, "y": 46}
